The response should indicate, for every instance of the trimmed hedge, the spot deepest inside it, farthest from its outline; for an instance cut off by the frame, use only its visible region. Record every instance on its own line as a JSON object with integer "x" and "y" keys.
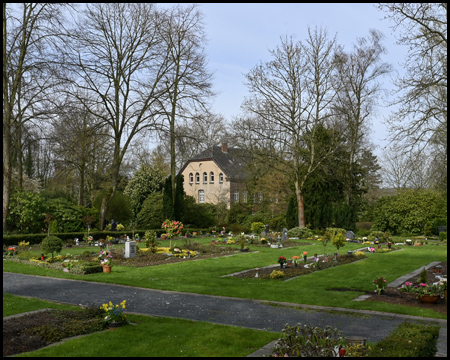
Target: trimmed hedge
{"x": 408, "y": 340}
{"x": 34, "y": 239}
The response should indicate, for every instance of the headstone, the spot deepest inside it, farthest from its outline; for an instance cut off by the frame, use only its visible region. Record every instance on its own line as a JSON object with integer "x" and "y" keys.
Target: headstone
{"x": 130, "y": 249}
{"x": 284, "y": 237}
{"x": 442, "y": 229}
{"x": 113, "y": 225}
{"x": 266, "y": 230}
{"x": 350, "y": 235}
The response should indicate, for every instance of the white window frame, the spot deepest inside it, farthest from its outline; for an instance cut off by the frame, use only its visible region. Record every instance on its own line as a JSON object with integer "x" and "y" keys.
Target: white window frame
{"x": 191, "y": 178}
{"x": 220, "y": 178}
{"x": 201, "y": 196}
{"x": 197, "y": 178}
{"x": 211, "y": 177}
{"x": 205, "y": 177}
{"x": 244, "y": 196}
{"x": 236, "y": 196}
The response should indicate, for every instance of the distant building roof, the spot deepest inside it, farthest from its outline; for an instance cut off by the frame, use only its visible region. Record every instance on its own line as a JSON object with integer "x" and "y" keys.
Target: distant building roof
{"x": 231, "y": 160}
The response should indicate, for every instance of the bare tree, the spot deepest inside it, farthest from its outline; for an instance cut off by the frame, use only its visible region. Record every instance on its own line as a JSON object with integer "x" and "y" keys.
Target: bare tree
{"x": 403, "y": 171}
{"x": 358, "y": 90}
{"x": 290, "y": 101}
{"x": 188, "y": 81}
{"x": 118, "y": 60}
{"x": 28, "y": 30}
{"x": 422, "y": 91}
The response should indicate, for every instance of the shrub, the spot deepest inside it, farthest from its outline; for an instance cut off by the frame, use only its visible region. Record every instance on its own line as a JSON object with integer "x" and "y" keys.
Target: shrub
{"x": 91, "y": 268}
{"x": 423, "y": 276}
{"x": 360, "y": 253}
{"x": 399, "y": 342}
{"x": 51, "y": 244}
{"x": 308, "y": 341}
{"x": 376, "y": 234}
{"x": 276, "y": 274}
{"x": 300, "y": 232}
{"x": 443, "y": 235}
{"x": 338, "y": 240}
{"x": 257, "y": 228}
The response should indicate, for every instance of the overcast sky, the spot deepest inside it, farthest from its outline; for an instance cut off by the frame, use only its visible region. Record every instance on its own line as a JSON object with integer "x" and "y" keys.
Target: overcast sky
{"x": 240, "y": 35}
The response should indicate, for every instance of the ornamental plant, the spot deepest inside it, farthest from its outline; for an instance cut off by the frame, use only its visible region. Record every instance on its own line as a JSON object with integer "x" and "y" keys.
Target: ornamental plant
{"x": 276, "y": 274}
{"x": 424, "y": 289}
{"x": 51, "y": 244}
{"x": 380, "y": 283}
{"x": 114, "y": 313}
{"x": 105, "y": 257}
{"x": 305, "y": 255}
{"x": 308, "y": 341}
{"x": 282, "y": 260}
{"x": 172, "y": 227}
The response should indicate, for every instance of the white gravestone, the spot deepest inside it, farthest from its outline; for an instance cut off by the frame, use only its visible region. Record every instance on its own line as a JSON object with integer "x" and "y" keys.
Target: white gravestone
{"x": 130, "y": 249}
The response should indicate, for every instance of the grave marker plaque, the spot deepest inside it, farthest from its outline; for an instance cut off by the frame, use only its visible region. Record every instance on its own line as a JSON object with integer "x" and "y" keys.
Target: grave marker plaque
{"x": 130, "y": 249}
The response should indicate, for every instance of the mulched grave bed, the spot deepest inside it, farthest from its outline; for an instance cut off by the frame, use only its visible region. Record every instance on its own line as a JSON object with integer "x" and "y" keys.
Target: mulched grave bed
{"x": 290, "y": 272}
{"x": 36, "y": 330}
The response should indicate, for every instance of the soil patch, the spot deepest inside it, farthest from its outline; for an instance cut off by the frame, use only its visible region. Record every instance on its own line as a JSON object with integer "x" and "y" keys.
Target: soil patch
{"x": 39, "y": 329}
{"x": 395, "y": 296}
{"x": 292, "y": 271}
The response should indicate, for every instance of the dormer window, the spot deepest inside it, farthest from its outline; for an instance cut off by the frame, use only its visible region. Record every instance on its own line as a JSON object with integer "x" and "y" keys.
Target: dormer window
{"x": 205, "y": 178}
{"x": 197, "y": 178}
{"x": 220, "y": 178}
{"x": 211, "y": 177}
{"x": 191, "y": 178}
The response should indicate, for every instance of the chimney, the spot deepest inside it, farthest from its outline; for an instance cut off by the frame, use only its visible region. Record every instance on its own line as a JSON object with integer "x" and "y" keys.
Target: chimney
{"x": 224, "y": 147}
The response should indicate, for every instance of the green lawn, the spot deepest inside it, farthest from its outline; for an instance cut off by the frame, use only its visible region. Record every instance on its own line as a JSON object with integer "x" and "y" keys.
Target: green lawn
{"x": 205, "y": 276}
{"x": 149, "y": 337}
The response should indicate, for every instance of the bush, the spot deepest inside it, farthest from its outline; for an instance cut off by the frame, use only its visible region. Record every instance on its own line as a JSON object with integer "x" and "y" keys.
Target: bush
{"x": 308, "y": 341}
{"x": 408, "y": 340}
{"x": 443, "y": 235}
{"x": 276, "y": 274}
{"x": 91, "y": 268}
{"x": 300, "y": 232}
{"x": 257, "y": 228}
{"x": 51, "y": 244}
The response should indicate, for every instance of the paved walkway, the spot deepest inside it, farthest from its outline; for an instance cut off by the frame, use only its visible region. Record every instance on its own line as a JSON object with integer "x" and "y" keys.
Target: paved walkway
{"x": 254, "y": 314}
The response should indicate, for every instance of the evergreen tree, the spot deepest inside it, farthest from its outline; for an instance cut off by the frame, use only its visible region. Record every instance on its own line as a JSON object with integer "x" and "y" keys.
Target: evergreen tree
{"x": 167, "y": 199}
{"x": 179, "y": 207}
{"x": 292, "y": 213}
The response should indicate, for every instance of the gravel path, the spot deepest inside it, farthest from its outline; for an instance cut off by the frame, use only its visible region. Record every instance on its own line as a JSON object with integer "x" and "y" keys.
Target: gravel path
{"x": 254, "y": 314}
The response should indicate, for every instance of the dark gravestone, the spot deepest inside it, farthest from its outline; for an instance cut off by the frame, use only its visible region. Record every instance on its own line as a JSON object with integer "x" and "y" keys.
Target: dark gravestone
{"x": 284, "y": 237}
{"x": 350, "y": 235}
{"x": 442, "y": 229}
{"x": 267, "y": 230}
{"x": 113, "y": 225}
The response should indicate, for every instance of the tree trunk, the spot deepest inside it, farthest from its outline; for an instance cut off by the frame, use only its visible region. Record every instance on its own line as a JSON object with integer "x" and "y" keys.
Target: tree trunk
{"x": 301, "y": 208}
{"x": 6, "y": 171}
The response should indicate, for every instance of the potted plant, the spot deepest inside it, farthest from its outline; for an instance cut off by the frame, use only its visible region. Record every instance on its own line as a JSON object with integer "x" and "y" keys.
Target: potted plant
{"x": 305, "y": 255}
{"x": 105, "y": 260}
{"x": 281, "y": 261}
{"x": 428, "y": 294}
{"x": 114, "y": 315}
{"x": 295, "y": 259}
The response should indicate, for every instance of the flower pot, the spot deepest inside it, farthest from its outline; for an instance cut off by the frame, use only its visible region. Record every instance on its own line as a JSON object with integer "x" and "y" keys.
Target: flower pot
{"x": 281, "y": 266}
{"x": 163, "y": 236}
{"x": 106, "y": 268}
{"x": 114, "y": 325}
{"x": 417, "y": 244}
{"x": 429, "y": 299}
